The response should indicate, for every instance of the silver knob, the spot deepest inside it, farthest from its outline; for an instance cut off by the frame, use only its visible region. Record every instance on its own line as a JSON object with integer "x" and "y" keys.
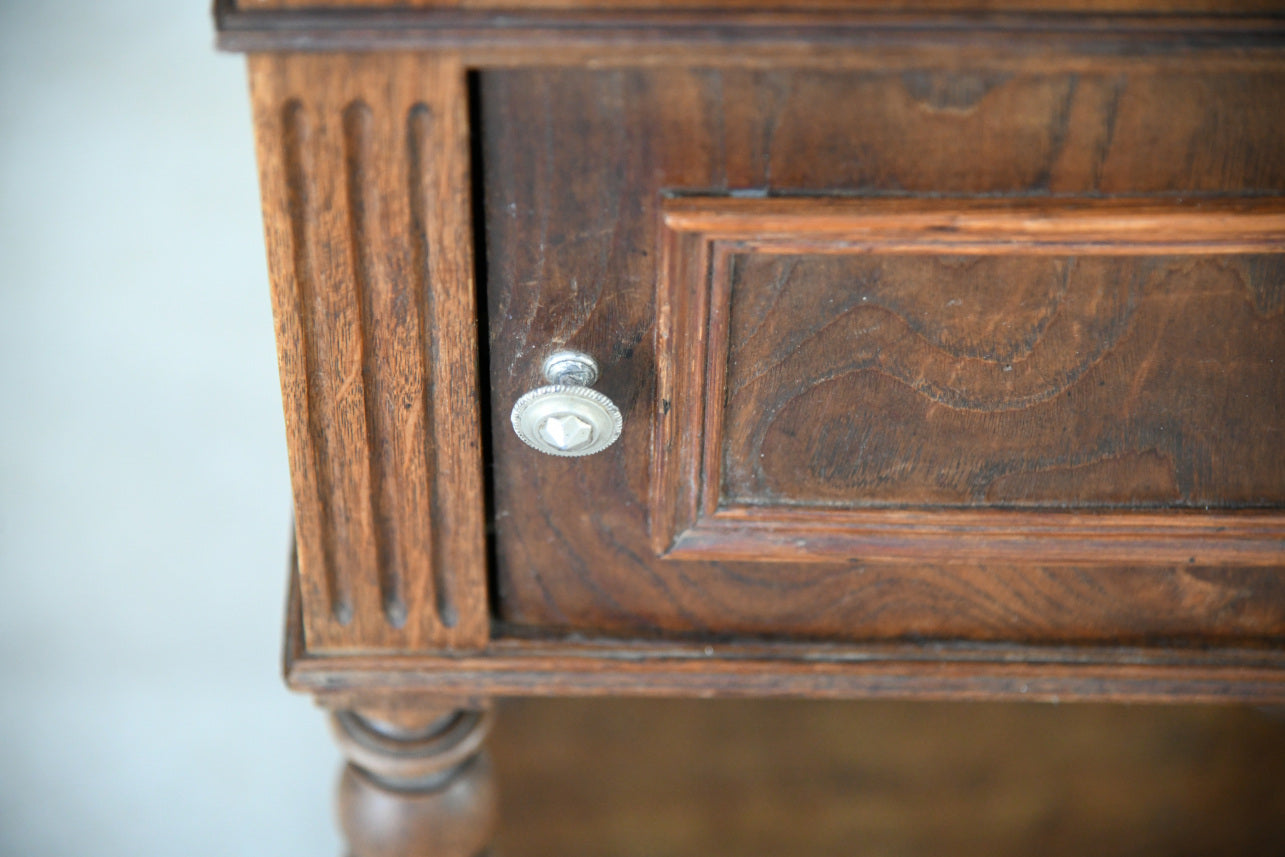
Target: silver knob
{"x": 567, "y": 417}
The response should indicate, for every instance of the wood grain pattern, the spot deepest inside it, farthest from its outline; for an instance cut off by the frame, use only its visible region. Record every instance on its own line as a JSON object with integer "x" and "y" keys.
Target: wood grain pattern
{"x": 764, "y": 778}
{"x": 514, "y": 665}
{"x": 576, "y": 164}
{"x": 948, "y": 354}
{"x": 364, "y": 171}
{"x": 733, "y": 5}
{"x": 1111, "y": 34}
{"x": 925, "y": 675}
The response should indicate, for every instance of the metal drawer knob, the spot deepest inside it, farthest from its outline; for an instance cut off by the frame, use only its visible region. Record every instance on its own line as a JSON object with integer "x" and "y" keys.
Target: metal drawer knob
{"x": 567, "y": 417}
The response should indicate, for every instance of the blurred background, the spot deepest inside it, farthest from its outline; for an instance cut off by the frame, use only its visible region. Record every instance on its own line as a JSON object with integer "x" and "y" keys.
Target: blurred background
{"x": 144, "y": 498}
{"x": 144, "y": 520}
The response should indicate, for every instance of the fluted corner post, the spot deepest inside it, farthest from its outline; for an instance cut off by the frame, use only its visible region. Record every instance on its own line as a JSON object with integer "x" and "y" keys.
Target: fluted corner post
{"x": 416, "y": 784}
{"x": 365, "y": 176}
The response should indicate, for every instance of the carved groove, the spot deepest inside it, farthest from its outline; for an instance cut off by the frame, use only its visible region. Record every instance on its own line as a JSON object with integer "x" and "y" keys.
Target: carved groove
{"x": 295, "y": 136}
{"x": 365, "y": 176}
{"x": 362, "y": 204}
{"x": 419, "y": 120}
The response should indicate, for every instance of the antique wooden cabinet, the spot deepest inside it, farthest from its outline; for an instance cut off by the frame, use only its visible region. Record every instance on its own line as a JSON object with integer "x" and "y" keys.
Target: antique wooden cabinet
{"x": 944, "y": 342}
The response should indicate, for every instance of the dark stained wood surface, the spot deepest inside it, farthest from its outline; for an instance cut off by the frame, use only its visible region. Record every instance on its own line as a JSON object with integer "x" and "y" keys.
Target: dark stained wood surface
{"x": 1062, "y": 382}
{"x": 911, "y": 34}
{"x": 515, "y": 667}
{"x": 575, "y": 164}
{"x": 401, "y": 686}
{"x": 1170, "y": 6}
{"x": 364, "y": 170}
{"x": 366, "y": 166}
{"x": 878, "y": 353}
{"x": 612, "y": 778}
{"x": 416, "y": 783}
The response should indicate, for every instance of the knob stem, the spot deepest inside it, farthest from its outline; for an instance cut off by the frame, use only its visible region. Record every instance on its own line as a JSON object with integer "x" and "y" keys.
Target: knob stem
{"x": 573, "y": 368}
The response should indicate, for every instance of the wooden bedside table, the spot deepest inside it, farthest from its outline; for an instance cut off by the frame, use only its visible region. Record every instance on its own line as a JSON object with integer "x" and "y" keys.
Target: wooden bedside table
{"x": 946, "y": 343}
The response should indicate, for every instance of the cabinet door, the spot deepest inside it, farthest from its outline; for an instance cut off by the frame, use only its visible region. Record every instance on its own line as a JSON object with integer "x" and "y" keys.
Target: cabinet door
{"x": 964, "y": 355}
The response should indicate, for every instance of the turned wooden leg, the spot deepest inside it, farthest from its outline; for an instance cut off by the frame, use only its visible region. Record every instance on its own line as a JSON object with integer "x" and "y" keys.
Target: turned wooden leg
{"x": 417, "y": 783}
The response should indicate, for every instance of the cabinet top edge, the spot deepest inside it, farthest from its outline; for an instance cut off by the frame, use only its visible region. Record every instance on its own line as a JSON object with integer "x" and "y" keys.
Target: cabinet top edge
{"x": 642, "y": 32}
{"x": 813, "y": 8}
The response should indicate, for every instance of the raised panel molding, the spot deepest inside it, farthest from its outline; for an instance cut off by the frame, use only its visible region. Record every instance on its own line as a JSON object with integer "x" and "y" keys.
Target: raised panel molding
{"x": 700, "y": 512}
{"x": 365, "y": 178}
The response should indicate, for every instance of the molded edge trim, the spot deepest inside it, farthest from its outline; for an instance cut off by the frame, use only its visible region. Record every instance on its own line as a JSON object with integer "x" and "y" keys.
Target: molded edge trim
{"x": 515, "y": 665}
{"x": 632, "y": 36}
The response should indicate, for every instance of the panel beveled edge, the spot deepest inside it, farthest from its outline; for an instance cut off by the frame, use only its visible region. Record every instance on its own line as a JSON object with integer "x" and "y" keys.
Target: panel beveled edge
{"x": 364, "y": 177}
{"x": 688, "y": 521}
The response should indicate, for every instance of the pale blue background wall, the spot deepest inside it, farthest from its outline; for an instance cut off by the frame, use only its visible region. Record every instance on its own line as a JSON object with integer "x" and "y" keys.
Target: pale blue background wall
{"x": 144, "y": 502}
